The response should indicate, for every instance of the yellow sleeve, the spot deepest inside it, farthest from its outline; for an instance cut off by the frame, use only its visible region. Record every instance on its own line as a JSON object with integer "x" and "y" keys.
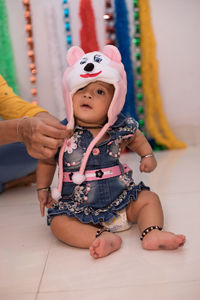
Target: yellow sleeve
{"x": 12, "y": 106}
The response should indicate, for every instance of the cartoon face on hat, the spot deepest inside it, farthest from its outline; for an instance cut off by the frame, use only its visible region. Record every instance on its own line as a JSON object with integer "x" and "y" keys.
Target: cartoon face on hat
{"x": 83, "y": 69}
{"x": 94, "y": 66}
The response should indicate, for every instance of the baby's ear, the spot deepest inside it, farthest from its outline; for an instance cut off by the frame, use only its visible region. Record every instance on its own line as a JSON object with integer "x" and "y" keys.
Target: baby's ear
{"x": 74, "y": 54}
{"x": 112, "y": 52}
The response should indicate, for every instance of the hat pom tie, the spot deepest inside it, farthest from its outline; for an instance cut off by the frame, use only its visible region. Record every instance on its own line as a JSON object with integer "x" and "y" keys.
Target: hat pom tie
{"x": 56, "y": 195}
{"x": 78, "y": 178}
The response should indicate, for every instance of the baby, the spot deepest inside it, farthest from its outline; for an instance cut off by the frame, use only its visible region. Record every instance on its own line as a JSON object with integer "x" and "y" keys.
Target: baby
{"x": 96, "y": 195}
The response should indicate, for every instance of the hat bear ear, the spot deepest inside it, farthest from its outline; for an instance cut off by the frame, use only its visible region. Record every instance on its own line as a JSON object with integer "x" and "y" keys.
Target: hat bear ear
{"x": 112, "y": 52}
{"x": 74, "y": 54}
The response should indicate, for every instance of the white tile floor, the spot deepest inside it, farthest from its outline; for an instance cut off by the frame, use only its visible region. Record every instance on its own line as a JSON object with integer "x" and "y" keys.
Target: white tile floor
{"x": 34, "y": 265}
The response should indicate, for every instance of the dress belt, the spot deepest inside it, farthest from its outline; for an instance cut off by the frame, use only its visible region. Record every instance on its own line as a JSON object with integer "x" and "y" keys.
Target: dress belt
{"x": 98, "y": 174}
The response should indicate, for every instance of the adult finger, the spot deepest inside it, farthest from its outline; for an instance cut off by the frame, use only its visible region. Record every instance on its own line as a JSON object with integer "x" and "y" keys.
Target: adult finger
{"x": 41, "y": 152}
{"x": 38, "y": 140}
{"x": 46, "y": 141}
{"x": 48, "y": 130}
{"x": 54, "y": 129}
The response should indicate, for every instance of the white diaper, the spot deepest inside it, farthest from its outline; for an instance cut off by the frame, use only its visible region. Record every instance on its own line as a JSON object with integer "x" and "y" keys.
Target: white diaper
{"x": 119, "y": 223}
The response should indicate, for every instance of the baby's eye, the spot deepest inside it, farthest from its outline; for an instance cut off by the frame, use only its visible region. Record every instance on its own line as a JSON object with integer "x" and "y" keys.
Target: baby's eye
{"x": 100, "y": 92}
{"x": 97, "y": 59}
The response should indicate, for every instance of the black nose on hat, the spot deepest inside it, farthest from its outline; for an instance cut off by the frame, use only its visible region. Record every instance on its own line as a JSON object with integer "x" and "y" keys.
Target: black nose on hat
{"x": 89, "y": 67}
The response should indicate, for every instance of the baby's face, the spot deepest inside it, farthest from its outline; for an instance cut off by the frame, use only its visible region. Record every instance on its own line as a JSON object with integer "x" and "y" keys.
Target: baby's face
{"x": 91, "y": 103}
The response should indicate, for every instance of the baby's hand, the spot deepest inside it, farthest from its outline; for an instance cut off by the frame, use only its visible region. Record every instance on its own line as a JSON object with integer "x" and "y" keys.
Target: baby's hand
{"x": 148, "y": 164}
{"x": 44, "y": 196}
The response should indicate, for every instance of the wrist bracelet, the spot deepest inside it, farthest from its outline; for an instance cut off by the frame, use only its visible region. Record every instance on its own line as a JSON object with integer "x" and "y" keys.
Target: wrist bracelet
{"x": 18, "y": 123}
{"x": 146, "y": 156}
{"x": 46, "y": 189}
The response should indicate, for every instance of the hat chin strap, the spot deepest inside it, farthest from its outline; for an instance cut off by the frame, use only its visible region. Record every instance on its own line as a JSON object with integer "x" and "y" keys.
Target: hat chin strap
{"x": 56, "y": 192}
{"x": 78, "y": 177}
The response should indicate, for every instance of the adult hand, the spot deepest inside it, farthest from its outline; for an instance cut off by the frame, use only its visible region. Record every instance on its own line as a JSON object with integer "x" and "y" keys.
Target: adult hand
{"x": 42, "y": 135}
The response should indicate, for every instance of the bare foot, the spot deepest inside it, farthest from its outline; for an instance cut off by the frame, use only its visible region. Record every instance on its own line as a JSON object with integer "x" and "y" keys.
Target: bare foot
{"x": 105, "y": 244}
{"x": 156, "y": 240}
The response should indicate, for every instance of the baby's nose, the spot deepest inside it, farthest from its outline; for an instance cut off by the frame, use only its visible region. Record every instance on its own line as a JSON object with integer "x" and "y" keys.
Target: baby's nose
{"x": 87, "y": 95}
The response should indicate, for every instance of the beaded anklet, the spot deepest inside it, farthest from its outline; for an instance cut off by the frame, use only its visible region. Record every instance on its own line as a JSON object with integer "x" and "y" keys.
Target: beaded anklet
{"x": 149, "y": 229}
{"x": 101, "y": 230}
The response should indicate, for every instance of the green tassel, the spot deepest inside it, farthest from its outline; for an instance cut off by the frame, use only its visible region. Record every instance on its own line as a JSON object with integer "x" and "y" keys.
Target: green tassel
{"x": 7, "y": 64}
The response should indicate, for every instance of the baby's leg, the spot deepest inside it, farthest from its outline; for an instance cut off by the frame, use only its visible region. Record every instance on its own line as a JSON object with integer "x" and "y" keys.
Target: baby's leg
{"x": 147, "y": 211}
{"x": 77, "y": 234}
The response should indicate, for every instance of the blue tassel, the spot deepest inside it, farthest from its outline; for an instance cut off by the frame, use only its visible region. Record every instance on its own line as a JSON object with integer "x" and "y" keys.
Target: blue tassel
{"x": 124, "y": 43}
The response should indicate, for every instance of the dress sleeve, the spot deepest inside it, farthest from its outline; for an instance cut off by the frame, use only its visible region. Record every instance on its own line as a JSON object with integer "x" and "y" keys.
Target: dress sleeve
{"x": 128, "y": 129}
{"x": 12, "y": 106}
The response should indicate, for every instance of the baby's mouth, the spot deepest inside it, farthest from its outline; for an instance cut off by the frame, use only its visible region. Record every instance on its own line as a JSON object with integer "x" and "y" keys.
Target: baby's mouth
{"x": 86, "y": 106}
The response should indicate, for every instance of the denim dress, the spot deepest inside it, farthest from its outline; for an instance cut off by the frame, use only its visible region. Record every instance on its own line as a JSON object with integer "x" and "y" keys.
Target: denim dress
{"x": 97, "y": 201}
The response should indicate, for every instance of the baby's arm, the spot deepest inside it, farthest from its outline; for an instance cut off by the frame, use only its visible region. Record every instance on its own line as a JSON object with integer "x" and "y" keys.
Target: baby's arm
{"x": 141, "y": 146}
{"x": 45, "y": 173}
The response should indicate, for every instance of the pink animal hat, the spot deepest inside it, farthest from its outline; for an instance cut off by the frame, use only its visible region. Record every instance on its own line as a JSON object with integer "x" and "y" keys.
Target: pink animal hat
{"x": 83, "y": 69}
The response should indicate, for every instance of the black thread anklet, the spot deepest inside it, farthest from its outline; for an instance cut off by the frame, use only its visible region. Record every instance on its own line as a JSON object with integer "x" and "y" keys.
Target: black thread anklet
{"x": 149, "y": 229}
{"x": 101, "y": 230}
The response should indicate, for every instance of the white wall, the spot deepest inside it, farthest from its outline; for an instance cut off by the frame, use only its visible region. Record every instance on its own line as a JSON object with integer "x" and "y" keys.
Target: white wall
{"x": 177, "y": 30}
{"x": 176, "y": 26}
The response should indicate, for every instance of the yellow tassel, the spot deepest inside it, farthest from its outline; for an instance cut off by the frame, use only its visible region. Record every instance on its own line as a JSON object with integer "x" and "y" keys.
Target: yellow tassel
{"x": 156, "y": 121}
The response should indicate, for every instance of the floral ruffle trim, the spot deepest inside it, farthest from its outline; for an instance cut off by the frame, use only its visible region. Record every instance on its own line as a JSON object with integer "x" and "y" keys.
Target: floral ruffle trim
{"x": 126, "y": 129}
{"x": 91, "y": 215}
